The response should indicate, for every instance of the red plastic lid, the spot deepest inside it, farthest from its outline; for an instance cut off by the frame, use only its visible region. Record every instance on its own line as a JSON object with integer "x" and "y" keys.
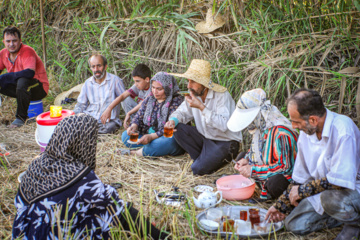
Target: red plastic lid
{"x": 46, "y": 120}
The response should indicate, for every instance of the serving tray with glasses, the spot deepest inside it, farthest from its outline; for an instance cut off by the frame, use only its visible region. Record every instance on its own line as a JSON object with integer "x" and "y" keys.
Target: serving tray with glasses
{"x": 243, "y": 221}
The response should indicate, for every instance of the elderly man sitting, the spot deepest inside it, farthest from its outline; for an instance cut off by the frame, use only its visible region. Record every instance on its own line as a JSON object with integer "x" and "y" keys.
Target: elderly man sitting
{"x": 271, "y": 157}
{"x": 98, "y": 92}
{"x": 326, "y": 173}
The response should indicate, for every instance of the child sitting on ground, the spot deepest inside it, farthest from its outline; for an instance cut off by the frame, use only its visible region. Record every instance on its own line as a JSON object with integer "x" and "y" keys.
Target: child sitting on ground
{"x": 141, "y": 89}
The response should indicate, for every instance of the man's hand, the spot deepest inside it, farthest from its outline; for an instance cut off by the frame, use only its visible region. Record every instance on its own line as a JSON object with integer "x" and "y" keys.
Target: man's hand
{"x": 294, "y": 195}
{"x": 132, "y": 128}
{"x": 170, "y": 123}
{"x": 274, "y": 215}
{"x": 105, "y": 116}
{"x": 244, "y": 170}
{"x": 147, "y": 138}
{"x": 127, "y": 121}
{"x": 194, "y": 102}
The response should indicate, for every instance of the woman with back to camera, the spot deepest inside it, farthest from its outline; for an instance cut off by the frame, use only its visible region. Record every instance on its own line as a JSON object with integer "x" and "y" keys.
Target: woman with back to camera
{"x": 60, "y": 196}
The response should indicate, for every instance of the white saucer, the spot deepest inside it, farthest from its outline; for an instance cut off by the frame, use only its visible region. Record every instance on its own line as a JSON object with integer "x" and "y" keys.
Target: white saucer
{"x": 131, "y": 142}
{"x": 203, "y": 188}
{"x": 209, "y": 224}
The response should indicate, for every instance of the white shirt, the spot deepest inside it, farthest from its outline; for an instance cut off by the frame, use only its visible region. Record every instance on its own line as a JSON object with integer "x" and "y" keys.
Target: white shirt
{"x": 336, "y": 156}
{"x": 94, "y": 98}
{"x": 212, "y": 121}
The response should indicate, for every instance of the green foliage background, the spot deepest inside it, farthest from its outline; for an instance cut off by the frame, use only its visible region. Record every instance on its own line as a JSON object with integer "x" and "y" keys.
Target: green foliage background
{"x": 276, "y": 45}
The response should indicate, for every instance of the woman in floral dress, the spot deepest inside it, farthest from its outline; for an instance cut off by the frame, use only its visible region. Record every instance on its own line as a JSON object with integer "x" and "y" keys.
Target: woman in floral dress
{"x": 151, "y": 118}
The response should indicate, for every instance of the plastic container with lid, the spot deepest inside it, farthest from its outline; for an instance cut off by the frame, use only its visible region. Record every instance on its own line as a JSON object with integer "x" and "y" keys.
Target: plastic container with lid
{"x": 46, "y": 126}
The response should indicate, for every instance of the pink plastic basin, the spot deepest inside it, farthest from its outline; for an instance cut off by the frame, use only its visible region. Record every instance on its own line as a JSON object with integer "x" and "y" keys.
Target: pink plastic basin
{"x": 235, "y": 187}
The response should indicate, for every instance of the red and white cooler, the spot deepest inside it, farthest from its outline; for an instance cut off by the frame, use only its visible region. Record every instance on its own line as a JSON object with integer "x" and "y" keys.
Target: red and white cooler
{"x": 46, "y": 126}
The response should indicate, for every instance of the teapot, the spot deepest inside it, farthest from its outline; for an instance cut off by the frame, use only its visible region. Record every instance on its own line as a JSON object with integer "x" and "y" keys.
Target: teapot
{"x": 207, "y": 199}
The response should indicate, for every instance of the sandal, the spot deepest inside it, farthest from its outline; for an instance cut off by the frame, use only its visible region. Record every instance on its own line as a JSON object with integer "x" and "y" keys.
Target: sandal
{"x": 16, "y": 123}
{"x": 123, "y": 151}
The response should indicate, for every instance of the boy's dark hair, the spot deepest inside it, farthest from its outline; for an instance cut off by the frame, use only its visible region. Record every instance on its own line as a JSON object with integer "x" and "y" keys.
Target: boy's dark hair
{"x": 12, "y": 31}
{"x": 141, "y": 70}
{"x": 308, "y": 102}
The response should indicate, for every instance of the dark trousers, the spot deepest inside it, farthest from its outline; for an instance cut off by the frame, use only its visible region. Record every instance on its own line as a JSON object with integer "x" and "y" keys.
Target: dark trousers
{"x": 24, "y": 91}
{"x": 276, "y": 185}
{"x": 208, "y": 155}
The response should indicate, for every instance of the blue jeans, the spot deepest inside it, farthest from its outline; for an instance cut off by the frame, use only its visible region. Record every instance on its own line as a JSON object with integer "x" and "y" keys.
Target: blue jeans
{"x": 158, "y": 147}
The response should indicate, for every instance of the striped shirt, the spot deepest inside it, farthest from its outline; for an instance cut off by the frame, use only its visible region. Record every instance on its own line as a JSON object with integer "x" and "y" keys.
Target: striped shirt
{"x": 94, "y": 98}
{"x": 278, "y": 153}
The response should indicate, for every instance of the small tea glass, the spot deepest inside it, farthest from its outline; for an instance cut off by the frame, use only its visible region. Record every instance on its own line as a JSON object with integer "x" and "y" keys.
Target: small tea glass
{"x": 214, "y": 214}
{"x": 134, "y": 135}
{"x": 243, "y": 227}
{"x": 227, "y": 214}
{"x": 168, "y": 132}
{"x": 243, "y": 215}
{"x": 228, "y": 225}
{"x": 262, "y": 227}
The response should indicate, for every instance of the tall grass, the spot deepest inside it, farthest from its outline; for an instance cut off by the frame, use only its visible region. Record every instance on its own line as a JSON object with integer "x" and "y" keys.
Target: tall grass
{"x": 268, "y": 45}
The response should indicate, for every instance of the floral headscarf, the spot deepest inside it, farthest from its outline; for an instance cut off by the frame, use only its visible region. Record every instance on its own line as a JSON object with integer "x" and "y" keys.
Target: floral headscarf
{"x": 171, "y": 88}
{"x": 268, "y": 117}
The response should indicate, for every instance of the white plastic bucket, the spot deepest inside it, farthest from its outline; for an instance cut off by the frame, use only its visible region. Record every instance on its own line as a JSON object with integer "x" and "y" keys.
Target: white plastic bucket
{"x": 46, "y": 126}
{"x": 43, "y": 135}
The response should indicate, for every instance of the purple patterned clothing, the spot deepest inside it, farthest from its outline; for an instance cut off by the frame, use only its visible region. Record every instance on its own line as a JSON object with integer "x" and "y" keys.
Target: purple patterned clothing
{"x": 138, "y": 119}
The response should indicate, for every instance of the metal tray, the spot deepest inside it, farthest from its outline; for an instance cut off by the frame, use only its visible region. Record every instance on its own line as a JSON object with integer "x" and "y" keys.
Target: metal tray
{"x": 236, "y": 209}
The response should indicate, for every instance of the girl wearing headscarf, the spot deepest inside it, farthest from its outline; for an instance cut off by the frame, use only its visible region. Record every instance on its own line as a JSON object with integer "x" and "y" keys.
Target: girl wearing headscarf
{"x": 61, "y": 197}
{"x": 151, "y": 118}
{"x": 272, "y": 154}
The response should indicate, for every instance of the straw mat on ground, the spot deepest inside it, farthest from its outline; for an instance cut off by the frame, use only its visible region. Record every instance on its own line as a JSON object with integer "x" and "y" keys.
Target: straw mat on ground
{"x": 139, "y": 176}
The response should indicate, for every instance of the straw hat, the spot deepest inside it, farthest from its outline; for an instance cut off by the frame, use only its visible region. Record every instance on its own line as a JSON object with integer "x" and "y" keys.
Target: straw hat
{"x": 247, "y": 108}
{"x": 72, "y": 93}
{"x": 211, "y": 23}
{"x": 200, "y": 71}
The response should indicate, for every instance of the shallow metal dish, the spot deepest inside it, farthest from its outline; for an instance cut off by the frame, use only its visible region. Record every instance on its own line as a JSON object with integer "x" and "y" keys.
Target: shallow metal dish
{"x": 236, "y": 209}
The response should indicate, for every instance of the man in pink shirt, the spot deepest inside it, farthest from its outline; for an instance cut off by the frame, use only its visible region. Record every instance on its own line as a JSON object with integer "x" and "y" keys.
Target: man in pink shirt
{"x": 26, "y": 78}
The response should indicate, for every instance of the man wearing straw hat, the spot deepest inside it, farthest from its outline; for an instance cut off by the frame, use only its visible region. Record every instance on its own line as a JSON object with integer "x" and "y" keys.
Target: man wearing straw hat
{"x": 210, "y": 143}
{"x": 326, "y": 188}
{"x": 270, "y": 160}
{"x": 26, "y": 78}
